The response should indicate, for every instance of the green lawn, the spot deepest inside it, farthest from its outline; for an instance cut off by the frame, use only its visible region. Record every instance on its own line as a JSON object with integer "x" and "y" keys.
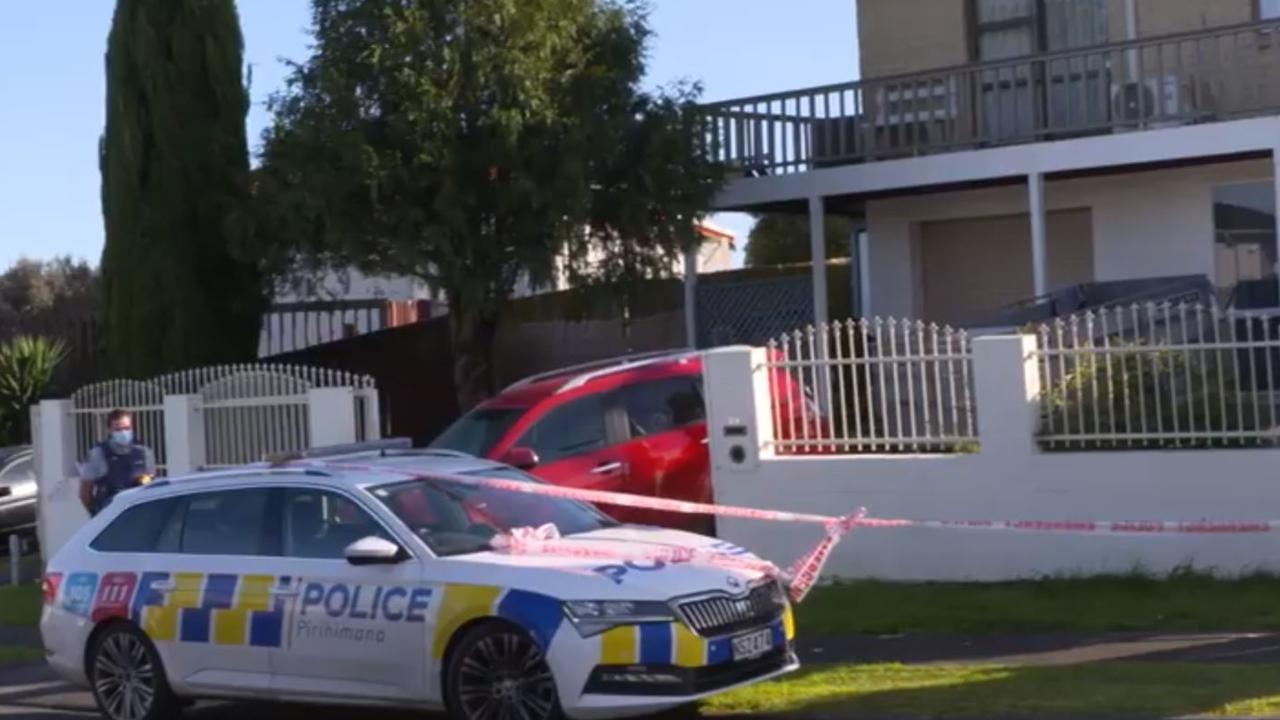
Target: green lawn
{"x": 1187, "y": 601}
{"x": 19, "y": 605}
{"x": 1096, "y": 690}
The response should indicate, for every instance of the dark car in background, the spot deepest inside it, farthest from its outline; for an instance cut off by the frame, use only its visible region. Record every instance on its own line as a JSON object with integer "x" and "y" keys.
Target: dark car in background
{"x": 17, "y": 491}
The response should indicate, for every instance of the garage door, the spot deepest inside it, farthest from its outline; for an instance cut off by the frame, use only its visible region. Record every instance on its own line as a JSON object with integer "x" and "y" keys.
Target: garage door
{"x": 973, "y": 266}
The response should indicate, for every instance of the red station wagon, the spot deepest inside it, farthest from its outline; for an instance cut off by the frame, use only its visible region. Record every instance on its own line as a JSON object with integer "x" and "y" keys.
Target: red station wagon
{"x": 635, "y": 425}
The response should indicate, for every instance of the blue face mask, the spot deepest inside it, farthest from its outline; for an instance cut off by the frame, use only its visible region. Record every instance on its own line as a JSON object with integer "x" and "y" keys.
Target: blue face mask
{"x": 122, "y": 437}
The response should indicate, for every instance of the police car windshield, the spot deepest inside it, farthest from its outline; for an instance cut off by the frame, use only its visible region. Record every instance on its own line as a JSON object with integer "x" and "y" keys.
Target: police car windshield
{"x": 454, "y": 518}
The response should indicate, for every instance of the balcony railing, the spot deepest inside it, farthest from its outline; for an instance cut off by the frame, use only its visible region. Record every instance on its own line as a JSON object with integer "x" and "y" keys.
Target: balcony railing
{"x": 1197, "y": 77}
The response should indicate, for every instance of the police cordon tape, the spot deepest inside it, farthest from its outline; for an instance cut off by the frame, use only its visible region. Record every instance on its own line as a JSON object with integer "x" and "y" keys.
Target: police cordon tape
{"x": 799, "y": 577}
{"x": 805, "y": 571}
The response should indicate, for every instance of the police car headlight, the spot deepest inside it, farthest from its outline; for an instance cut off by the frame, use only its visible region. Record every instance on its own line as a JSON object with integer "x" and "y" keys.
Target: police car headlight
{"x": 592, "y": 617}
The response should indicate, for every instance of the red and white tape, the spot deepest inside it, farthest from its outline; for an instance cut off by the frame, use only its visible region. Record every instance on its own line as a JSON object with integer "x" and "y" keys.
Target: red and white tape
{"x": 805, "y": 571}
{"x": 800, "y": 576}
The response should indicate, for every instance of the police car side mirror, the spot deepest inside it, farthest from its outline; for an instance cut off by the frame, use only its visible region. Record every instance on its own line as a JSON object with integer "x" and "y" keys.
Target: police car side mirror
{"x": 374, "y": 550}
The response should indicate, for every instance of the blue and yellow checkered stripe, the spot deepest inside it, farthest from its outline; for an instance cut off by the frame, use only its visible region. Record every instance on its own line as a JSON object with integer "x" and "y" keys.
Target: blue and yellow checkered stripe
{"x": 217, "y": 608}
{"x": 540, "y": 614}
{"x": 675, "y": 644}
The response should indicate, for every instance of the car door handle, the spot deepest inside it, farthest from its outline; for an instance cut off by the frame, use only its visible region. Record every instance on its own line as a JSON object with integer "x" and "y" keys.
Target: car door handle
{"x": 607, "y": 468}
{"x": 284, "y": 591}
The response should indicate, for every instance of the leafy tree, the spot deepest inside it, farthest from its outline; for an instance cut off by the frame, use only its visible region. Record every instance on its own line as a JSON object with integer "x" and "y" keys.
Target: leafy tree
{"x": 180, "y": 285}
{"x": 782, "y": 238}
{"x": 26, "y": 366}
{"x": 471, "y": 143}
{"x": 33, "y": 290}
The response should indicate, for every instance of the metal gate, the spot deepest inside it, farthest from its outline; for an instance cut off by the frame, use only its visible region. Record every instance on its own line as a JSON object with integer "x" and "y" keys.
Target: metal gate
{"x": 752, "y": 312}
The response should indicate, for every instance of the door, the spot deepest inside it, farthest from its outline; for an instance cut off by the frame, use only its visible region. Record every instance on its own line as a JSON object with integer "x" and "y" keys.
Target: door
{"x": 579, "y": 444}
{"x": 204, "y": 596}
{"x": 666, "y": 455}
{"x": 355, "y": 630}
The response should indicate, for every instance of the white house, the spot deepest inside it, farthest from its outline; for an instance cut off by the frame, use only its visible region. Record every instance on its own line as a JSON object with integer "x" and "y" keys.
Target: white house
{"x": 999, "y": 150}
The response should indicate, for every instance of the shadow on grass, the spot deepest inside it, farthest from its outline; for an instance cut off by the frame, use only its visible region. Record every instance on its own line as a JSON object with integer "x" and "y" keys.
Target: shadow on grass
{"x": 1092, "y": 690}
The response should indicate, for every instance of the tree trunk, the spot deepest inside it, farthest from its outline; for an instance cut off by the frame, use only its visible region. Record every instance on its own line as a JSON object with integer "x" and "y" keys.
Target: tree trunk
{"x": 473, "y": 332}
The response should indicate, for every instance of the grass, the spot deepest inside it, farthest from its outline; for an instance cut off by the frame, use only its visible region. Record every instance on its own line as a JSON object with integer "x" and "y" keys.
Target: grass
{"x": 1097, "y": 690}
{"x": 20, "y": 655}
{"x": 19, "y": 605}
{"x": 1186, "y": 601}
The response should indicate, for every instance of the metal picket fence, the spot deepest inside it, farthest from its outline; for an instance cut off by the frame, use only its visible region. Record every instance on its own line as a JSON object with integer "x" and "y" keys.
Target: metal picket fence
{"x": 1157, "y": 376}
{"x": 872, "y": 386}
{"x": 249, "y": 409}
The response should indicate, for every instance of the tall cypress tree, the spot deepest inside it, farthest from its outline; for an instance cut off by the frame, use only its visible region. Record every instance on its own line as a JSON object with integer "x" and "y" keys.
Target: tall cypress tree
{"x": 180, "y": 286}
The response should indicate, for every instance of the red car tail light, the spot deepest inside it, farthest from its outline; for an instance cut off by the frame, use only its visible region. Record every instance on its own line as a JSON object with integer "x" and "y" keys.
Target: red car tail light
{"x": 49, "y": 587}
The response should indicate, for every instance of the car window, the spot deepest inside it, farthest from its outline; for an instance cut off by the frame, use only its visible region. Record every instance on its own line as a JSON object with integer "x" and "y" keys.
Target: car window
{"x": 143, "y": 528}
{"x": 661, "y": 405}
{"x": 478, "y": 431}
{"x": 16, "y": 473}
{"x": 571, "y": 429}
{"x": 455, "y": 518}
{"x": 228, "y": 522}
{"x": 320, "y": 525}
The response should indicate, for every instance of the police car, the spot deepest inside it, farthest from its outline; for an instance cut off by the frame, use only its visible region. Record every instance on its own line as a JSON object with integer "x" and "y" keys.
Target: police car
{"x": 372, "y": 581}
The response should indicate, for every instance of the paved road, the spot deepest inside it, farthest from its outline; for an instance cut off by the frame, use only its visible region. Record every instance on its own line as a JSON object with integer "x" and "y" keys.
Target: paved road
{"x": 31, "y": 691}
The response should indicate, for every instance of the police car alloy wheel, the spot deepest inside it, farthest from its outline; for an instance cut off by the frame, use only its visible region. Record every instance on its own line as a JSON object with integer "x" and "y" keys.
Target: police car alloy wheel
{"x": 498, "y": 672}
{"x": 128, "y": 679}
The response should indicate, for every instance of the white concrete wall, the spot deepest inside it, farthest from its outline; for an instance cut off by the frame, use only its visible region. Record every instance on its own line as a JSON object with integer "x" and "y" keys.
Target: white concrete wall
{"x": 1008, "y": 480}
{"x": 1144, "y": 224}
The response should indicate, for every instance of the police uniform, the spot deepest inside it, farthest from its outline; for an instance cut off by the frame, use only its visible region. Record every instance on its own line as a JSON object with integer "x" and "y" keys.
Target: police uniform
{"x": 113, "y": 469}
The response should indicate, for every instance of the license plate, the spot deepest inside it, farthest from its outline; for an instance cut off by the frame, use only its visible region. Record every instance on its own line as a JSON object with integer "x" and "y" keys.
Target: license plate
{"x": 752, "y": 645}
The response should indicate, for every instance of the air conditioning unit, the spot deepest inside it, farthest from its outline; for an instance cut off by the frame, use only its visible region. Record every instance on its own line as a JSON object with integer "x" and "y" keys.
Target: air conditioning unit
{"x": 1154, "y": 102}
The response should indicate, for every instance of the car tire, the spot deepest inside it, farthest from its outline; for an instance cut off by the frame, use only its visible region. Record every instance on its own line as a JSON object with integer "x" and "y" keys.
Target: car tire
{"x": 497, "y": 670}
{"x": 127, "y": 677}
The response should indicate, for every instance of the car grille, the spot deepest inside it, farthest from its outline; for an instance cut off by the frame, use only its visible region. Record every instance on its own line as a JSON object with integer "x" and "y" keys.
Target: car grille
{"x": 722, "y": 614}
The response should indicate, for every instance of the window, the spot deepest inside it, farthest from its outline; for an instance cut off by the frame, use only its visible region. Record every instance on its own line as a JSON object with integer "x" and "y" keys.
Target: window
{"x": 571, "y": 429}
{"x": 478, "y": 431}
{"x": 144, "y": 528}
{"x": 1268, "y": 9}
{"x": 662, "y": 405}
{"x": 320, "y": 525}
{"x": 1244, "y": 228}
{"x": 453, "y": 519}
{"x": 230, "y": 522}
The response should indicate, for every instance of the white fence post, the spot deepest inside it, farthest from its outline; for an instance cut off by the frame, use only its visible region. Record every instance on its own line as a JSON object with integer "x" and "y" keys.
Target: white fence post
{"x": 739, "y": 402}
{"x": 1007, "y": 389}
{"x": 184, "y": 437}
{"x": 58, "y": 511}
{"x": 372, "y": 415}
{"x": 331, "y": 416}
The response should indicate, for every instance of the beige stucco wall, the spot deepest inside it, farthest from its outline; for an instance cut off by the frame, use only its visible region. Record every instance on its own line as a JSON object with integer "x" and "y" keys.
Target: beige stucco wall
{"x": 899, "y": 36}
{"x": 1143, "y": 225}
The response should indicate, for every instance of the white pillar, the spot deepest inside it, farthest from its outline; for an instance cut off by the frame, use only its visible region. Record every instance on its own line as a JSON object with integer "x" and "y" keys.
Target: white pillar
{"x": 372, "y": 414}
{"x": 59, "y": 513}
{"x": 818, "y": 253}
{"x": 691, "y": 296}
{"x": 1275, "y": 188}
{"x": 1006, "y": 388}
{"x": 739, "y": 408}
{"x": 1039, "y": 241}
{"x": 184, "y": 439}
{"x": 331, "y": 414}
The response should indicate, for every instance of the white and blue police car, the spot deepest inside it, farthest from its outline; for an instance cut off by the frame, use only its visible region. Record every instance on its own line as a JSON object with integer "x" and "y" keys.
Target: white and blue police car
{"x": 379, "y": 586}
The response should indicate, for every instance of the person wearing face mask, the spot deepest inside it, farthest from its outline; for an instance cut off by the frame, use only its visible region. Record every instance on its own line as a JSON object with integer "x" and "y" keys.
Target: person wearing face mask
{"x": 115, "y": 464}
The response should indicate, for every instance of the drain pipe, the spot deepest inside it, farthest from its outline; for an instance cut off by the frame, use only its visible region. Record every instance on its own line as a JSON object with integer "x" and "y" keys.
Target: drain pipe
{"x": 1131, "y": 34}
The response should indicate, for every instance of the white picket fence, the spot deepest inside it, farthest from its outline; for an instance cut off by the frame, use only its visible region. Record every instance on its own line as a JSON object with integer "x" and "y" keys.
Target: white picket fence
{"x": 1160, "y": 375}
{"x": 880, "y": 385}
{"x": 246, "y": 410}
